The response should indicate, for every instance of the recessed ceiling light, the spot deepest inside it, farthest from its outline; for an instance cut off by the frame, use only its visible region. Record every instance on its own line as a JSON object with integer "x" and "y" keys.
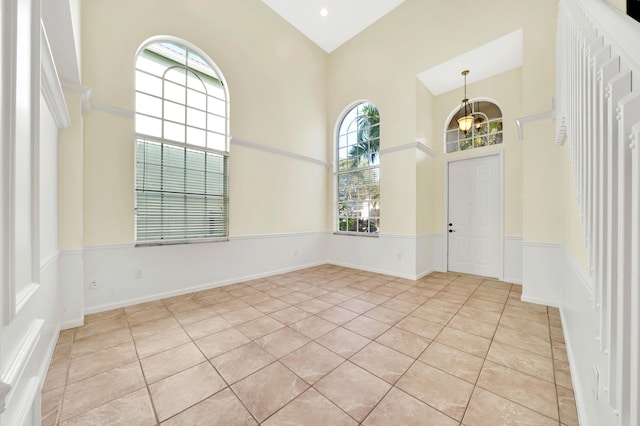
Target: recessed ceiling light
{"x": 324, "y": 12}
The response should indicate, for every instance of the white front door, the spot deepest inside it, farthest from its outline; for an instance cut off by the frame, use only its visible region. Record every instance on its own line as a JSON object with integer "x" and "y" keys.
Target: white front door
{"x": 474, "y": 225}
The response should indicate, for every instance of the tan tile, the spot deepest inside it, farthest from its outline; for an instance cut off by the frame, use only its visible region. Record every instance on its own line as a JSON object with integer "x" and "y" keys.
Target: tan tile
{"x": 357, "y": 305}
{"x": 367, "y": 327}
{"x": 526, "y": 313}
{"x": 442, "y": 305}
{"x": 155, "y": 326}
{"x": 442, "y": 391}
{"x": 221, "y": 342}
{"x": 567, "y": 404}
{"x": 170, "y": 362}
{"x": 452, "y": 296}
{"x": 104, "y": 360}
{"x": 226, "y": 406}
{"x": 101, "y": 327}
{"x": 312, "y": 362}
{"x": 185, "y": 302}
{"x": 134, "y": 309}
{"x": 470, "y": 343}
{"x": 521, "y": 360}
{"x": 50, "y": 405}
{"x": 401, "y": 306}
{"x": 521, "y": 339}
{"x": 433, "y": 315}
{"x": 486, "y": 408}
{"x": 134, "y": 408}
{"x": 485, "y": 305}
{"x": 382, "y": 361}
{"x": 479, "y": 328}
{"x": 268, "y": 390}
{"x": 372, "y": 297}
{"x": 563, "y": 374}
{"x": 149, "y": 314}
{"x": 334, "y": 297}
{"x": 343, "y": 342}
{"x": 385, "y": 315}
{"x": 420, "y": 327}
{"x": 313, "y": 306}
{"x": 479, "y": 314}
{"x": 200, "y": 329}
{"x": 399, "y": 408}
{"x": 227, "y": 306}
{"x": 56, "y": 375}
{"x": 259, "y": 327}
{"x": 498, "y": 296}
{"x": 241, "y": 362}
{"x": 282, "y": 342}
{"x": 62, "y": 352}
{"x": 388, "y": 291}
{"x": 311, "y": 409}
{"x": 350, "y": 291}
{"x": 101, "y": 341}
{"x": 149, "y": 345}
{"x": 195, "y": 315}
{"x": 556, "y": 334}
{"x": 313, "y": 327}
{"x": 411, "y": 297}
{"x": 337, "y": 315}
{"x": 353, "y": 389}
{"x": 294, "y": 298}
{"x": 559, "y": 351}
{"x": 523, "y": 324}
{"x": 536, "y": 394}
{"x": 290, "y": 315}
{"x": 90, "y": 393}
{"x": 101, "y": 316}
{"x": 453, "y": 361}
{"x": 242, "y": 315}
{"x": 271, "y": 305}
{"x": 180, "y": 391}
{"x": 404, "y": 341}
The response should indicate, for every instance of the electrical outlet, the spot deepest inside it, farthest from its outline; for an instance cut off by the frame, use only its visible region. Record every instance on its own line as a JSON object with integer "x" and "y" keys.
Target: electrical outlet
{"x": 93, "y": 284}
{"x": 138, "y": 274}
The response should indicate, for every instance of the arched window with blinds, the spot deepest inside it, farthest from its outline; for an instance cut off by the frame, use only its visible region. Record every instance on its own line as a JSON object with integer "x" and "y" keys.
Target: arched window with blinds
{"x": 182, "y": 145}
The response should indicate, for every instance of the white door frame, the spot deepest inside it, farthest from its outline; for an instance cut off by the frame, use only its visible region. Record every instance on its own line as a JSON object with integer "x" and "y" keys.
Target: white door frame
{"x": 445, "y": 225}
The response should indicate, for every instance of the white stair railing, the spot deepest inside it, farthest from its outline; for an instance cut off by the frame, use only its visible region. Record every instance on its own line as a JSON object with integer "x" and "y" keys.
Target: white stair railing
{"x": 598, "y": 112}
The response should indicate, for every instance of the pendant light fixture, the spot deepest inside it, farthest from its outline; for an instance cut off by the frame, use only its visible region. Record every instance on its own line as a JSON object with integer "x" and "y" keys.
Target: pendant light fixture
{"x": 465, "y": 122}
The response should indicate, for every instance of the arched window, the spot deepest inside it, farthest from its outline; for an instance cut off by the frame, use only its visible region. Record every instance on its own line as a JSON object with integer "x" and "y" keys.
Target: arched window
{"x": 486, "y": 129}
{"x": 182, "y": 145}
{"x": 358, "y": 170}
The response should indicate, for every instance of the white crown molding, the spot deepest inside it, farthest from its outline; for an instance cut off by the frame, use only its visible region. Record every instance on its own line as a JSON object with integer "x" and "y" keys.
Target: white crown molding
{"x": 279, "y": 151}
{"x": 51, "y": 88}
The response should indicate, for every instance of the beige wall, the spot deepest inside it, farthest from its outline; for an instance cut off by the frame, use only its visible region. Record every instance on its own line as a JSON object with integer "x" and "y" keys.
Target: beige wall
{"x": 266, "y": 62}
{"x": 276, "y": 79}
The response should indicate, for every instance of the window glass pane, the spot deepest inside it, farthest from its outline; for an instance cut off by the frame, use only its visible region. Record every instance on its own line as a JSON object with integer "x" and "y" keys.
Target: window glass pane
{"x": 151, "y": 63}
{"x": 216, "y": 141}
{"x": 196, "y": 99}
{"x": 174, "y": 92}
{"x": 176, "y": 75}
{"x": 149, "y": 105}
{"x": 148, "y": 126}
{"x": 214, "y": 89}
{"x": 215, "y": 123}
{"x": 174, "y": 132}
{"x": 148, "y": 84}
{"x": 196, "y": 118}
{"x": 194, "y": 82}
{"x": 196, "y": 137}
{"x": 217, "y": 106}
{"x": 174, "y": 112}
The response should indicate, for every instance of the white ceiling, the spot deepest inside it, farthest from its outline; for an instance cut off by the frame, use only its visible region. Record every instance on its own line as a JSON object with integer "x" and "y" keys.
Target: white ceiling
{"x": 345, "y": 18}
{"x": 493, "y": 58}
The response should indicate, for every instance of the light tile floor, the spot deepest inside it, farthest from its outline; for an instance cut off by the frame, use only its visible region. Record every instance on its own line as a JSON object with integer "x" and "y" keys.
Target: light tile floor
{"x": 325, "y": 346}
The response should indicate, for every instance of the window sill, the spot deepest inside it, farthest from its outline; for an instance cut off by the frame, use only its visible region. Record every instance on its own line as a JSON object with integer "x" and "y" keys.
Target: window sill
{"x": 357, "y": 234}
{"x": 179, "y": 242}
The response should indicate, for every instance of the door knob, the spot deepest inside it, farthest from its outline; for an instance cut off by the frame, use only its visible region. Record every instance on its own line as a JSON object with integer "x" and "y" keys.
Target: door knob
{"x": 451, "y": 230}
{"x": 451, "y": 224}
